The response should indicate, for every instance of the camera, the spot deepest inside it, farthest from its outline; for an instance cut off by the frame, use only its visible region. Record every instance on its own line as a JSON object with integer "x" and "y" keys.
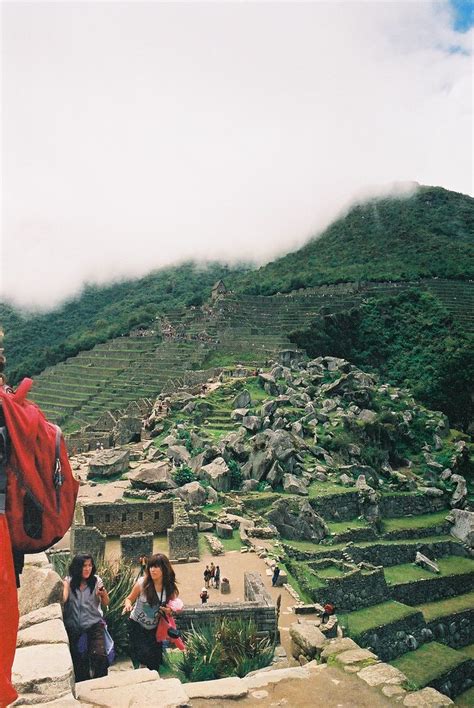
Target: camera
{"x": 173, "y": 633}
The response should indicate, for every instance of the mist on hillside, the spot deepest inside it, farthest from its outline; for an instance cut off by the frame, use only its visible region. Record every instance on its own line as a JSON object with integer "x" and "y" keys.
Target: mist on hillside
{"x": 235, "y": 132}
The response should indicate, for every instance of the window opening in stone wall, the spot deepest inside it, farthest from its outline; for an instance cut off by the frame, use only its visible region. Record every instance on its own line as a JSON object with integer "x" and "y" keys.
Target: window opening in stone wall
{"x": 90, "y": 519}
{"x": 124, "y": 516}
{"x": 157, "y": 514}
{"x": 140, "y": 516}
{"x": 107, "y": 517}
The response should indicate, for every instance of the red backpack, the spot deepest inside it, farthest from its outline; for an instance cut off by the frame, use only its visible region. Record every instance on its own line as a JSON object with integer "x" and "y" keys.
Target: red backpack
{"x": 40, "y": 488}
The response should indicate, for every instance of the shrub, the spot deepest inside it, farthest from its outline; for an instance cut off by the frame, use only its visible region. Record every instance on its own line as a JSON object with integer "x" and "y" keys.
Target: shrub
{"x": 235, "y": 474}
{"x": 184, "y": 475}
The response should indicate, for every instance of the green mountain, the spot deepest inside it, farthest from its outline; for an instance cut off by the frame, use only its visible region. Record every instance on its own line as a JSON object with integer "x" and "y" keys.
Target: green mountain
{"x": 430, "y": 234}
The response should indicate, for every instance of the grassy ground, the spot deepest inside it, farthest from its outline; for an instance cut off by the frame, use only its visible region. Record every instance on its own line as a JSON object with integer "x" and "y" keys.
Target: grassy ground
{"x": 428, "y": 662}
{"x": 415, "y": 522}
{"x": 442, "y": 608}
{"x": 322, "y": 489}
{"x": 407, "y": 572}
{"x": 466, "y": 699}
{"x": 343, "y": 526}
{"x": 230, "y": 544}
{"x": 292, "y": 580}
{"x": 468, "y": 651}
{"x": 375, "y": 616}
{"x": 331, "y": 572}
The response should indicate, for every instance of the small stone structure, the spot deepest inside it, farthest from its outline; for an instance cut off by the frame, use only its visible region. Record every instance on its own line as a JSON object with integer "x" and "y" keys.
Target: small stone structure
{"x": 87, "y": 539}
{"x": 134, "y": 545}
{"x": 183, "y": 543}
{"x": 258, "y": 607}
{"x": 120, "y": 517}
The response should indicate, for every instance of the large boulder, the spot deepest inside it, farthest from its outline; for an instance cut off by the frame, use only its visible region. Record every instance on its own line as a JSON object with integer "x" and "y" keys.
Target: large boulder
{"x": 463, "y": 526}
{"x": 108, "y": 463}
{"x": 242, "y": 400}
{"x": 179, "y": 454}
{"x": 153, "y": 475}
{"x": 193, "y": 494}
{"x": 39, "y": 587}
{"x": 294, "y": 485}
{"x": 296, "y": 520}
{"x": 217, "y": 474}
{"x": 307, "y": 640}
{"x": 458, "y": 499}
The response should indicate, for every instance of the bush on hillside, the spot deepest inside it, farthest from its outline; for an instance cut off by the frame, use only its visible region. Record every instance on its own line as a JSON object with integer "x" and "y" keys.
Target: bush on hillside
{"x": 183, "y": 475}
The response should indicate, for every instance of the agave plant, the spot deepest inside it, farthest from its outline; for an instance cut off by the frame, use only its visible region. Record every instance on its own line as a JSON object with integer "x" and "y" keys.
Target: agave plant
{"x": 226, "y": 648}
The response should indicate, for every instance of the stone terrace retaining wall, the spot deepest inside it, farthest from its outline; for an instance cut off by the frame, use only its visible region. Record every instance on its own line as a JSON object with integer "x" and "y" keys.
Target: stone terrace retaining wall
{"x": 435, "y": 588}
{"x": 396, "y": 638}
{"x": 407, "y": 504}
{"x": 398, "y": 553}
{"x": 340, "y": 507}
{"x": 456, "y": 630}
{"x": 455, "y": 681}
{"x": 352, "y": 591}
{"x": 120, "y": 517}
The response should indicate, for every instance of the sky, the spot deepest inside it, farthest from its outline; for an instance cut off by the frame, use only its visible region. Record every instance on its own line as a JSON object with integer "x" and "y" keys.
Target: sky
{"x": 140, "y": 134}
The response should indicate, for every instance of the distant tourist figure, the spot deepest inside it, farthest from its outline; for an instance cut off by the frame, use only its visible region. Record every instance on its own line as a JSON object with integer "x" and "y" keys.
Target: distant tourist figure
{"x": 204, "y": 596}
{"x": 276, "y": 575}
{"x": 217, "y": 577}
{"x": 329, "y": 609}
{"x": 207, "y": 576}
{"x": 153, "y": 596}
{"x": 83, "y": 595}
{"x": 212, "y": 570}
{"x": 142, "y": 561}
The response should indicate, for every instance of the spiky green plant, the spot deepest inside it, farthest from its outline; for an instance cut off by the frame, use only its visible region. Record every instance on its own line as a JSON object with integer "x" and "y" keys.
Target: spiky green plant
{"x": 225, "y": 648}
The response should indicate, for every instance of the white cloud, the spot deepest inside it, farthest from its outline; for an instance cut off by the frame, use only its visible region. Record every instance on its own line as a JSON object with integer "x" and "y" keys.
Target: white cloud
{"x": 138, "y": 134}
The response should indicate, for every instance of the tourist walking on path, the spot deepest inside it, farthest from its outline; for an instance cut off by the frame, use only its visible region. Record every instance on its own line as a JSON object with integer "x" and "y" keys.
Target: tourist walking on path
{"x": 83, "y": 595}
{"x": 212, "y": 571}
{"x": 217, "y": 577}
{"x": 204, "y": 596}
{"x": 207, "y": 576}
{"x": 276, "y": 575}
{"x": 149, "y": 600}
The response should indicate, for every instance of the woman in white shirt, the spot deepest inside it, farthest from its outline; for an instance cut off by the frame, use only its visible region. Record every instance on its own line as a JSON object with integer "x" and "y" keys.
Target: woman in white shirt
{"x": 147, "y": 602}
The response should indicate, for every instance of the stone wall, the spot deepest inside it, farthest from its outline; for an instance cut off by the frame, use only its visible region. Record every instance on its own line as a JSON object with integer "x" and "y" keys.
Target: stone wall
{"x": 391, "y": 640}
{"x": 87, "y": 539}
{"x": 134, "y": 545}
{"x": 406, "y": 504}
{"x": 337, "y": 507}
{"x": 435, "y": 588}
{"x": 118, "y": 518}
{"x": 382, "y": 553}
{"x": 183, "y": 542}
{"x": 258, "y": 607}
{"x": 456, "y": 630}
{"x": 455, "y": 681}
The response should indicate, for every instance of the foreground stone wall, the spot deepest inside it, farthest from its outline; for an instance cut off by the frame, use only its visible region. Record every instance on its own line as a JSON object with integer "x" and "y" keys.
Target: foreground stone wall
{"x": 396, "y": 638}
{"x": 456, "y": 630}
{"x": 407, "y": 504}
{"x": 114, "y": 519}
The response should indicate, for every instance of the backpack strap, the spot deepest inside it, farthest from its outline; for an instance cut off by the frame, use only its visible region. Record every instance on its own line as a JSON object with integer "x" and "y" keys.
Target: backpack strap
{"x": 58, "y": 478}
{"x": 3, "y": 466}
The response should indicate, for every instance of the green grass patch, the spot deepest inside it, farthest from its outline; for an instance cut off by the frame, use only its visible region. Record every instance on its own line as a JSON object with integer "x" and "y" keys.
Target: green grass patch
{"x": 442, "y": 608}
{"x": 466, "y": 699}
{"x": 468, "y": 651}
{"x": 332, "y": 572}
{"x": 368, "y": 618}
{"x": 324, "y": 549}
{"x": 415, "y": 522}
{"x": 343, "y": 526}
{"x": 323, "y": 489}
{"x": 230, "y": 544}
{"x": 407, "y": 572}
{"x": 428, "y": 663}
{"x": 293, "y": 581}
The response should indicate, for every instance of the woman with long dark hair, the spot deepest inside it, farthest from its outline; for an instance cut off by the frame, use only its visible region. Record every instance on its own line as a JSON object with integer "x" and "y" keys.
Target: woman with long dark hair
{"x": 83, "y": 595}
{"x": 148, "y": 601}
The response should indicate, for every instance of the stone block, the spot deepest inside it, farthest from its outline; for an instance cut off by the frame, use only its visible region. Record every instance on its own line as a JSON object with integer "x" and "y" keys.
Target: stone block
{"x": 44, "y": 669}
{"x": 264, "y": 678}
{"x": 230, "y": 688}
{"x": 224, "y": 530}
{"x": 43, "y": 614}
{"x": 381, "y": 674}
{"x": 39, "y": 587}
{"x": 427, "y": 698}
{"x": 355, "y": 656}
{"x": 49, "y": 632}
{"x": 127, "y": 689}
{"x": 109, "y": 462}
{"x": 306, "y": 639}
